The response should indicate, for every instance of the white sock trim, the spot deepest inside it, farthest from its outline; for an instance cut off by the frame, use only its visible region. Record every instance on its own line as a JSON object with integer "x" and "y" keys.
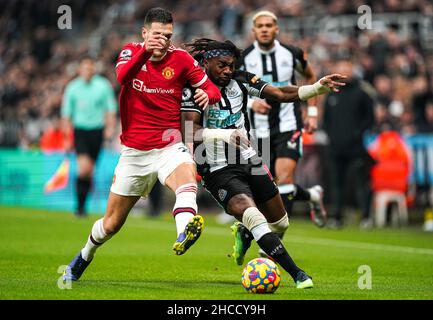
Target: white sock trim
{"x": 287, "y": 188}
{"x": 280, "y": 225}
{"x": 98, "y": 233}
{"x": 256, "y": 222}
{"x": 96, "y": 238}
{"x": 187, "y": 187}
{"x": 186, "y": 205}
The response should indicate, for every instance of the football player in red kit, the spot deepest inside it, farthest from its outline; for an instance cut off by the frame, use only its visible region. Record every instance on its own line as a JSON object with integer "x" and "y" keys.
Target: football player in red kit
{"x": 152, "y": 75}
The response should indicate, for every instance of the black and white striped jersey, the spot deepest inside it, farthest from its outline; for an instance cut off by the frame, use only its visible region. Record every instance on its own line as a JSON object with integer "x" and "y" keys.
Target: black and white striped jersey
{"x": 277, "y": 67}
{"x": 229, "y": 113}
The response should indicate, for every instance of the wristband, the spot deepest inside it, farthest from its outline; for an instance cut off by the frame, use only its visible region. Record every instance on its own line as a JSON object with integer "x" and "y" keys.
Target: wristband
{"x": 312, "y": 111}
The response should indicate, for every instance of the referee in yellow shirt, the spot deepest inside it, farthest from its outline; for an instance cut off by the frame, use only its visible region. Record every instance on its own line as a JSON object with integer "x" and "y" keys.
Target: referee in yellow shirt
{"x": 89, "y": 108}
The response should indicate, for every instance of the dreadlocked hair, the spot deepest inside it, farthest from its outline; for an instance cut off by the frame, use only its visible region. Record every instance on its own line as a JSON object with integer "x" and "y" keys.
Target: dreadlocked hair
{"x": 199, "y": 47}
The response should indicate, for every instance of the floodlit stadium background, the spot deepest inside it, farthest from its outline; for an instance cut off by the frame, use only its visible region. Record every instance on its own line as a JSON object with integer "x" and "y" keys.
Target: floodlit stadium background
{"x": 37, "y": 59}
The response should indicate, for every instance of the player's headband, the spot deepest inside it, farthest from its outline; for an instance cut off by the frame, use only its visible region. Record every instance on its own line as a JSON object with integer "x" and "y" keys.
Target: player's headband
{"x": 217, "y": 53}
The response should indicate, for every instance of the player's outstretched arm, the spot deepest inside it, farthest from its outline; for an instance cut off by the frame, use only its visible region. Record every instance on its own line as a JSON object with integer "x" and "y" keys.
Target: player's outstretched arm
{"x": 326, "y": 84}
{"x": 294, "y": 93}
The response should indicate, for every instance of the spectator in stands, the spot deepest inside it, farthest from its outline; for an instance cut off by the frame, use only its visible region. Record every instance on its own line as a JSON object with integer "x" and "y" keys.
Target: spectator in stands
{"x": 54, "y": 139}
{"x": 347, "y": 116}
{"x": 89, "y": 109}
{"x": 390, "y": 174}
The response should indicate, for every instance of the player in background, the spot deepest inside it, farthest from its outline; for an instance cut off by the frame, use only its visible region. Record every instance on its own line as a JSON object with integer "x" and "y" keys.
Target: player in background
{"x": 152, "y": 75}
{"x": 89, "y": 111}
{"x": 231, "y": 171}
{"x": 279, "y": 125}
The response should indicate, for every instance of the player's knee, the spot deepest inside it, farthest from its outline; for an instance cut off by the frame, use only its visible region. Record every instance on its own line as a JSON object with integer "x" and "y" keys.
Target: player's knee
{"x": 238, "y": 204}
{"x": 285, "y": 178}
{"x": 281, "y": 225}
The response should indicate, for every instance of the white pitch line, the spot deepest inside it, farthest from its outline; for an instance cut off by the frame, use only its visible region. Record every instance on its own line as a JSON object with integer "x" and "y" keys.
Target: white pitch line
{"x": 359, "y": 245}
{"x": 165, "y": 225}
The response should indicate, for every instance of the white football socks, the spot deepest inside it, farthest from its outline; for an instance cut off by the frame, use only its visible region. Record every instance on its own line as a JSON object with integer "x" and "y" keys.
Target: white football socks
{"x": 186, "y": 205}
{"x": 315, "y": 193}
{"x": 96, "y": 238}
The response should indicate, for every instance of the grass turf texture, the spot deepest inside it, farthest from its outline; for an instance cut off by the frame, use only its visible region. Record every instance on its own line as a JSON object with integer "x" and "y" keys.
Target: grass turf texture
{"x": 138, "y": 263}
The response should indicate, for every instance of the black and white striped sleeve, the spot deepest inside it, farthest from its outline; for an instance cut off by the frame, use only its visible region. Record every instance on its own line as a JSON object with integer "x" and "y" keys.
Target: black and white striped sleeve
{"x": 252, "y": 82}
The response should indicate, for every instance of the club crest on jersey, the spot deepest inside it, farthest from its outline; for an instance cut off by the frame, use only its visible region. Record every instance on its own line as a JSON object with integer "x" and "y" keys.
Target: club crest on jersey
{"x": 254, "y": 79}
{"x": 168, "y": 73}
{"x": 222, "y": 194}
{"x": 291, "y": 144}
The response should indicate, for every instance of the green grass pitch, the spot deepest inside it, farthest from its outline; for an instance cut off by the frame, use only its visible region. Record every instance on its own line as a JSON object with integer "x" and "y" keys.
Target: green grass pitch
{"x": 138, "y": 263}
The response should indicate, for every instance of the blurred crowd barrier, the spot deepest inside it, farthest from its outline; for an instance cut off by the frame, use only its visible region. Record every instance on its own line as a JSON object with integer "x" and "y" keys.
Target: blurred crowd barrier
{"x": 24, "y": 175}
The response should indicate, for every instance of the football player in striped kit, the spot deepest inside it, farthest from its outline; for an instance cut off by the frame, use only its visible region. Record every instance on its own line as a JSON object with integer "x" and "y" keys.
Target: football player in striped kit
{"x": 231, "y": 170}
{"x": 278, "y": 126}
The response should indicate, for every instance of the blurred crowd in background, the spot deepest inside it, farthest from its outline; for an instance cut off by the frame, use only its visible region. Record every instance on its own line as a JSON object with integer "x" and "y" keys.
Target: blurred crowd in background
{"x": 37, "y": 59}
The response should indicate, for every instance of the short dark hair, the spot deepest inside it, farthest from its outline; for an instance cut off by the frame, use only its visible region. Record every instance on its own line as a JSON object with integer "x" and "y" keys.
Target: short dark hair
{"x": 158, "y": 14}
{"x": 87, "y": 57}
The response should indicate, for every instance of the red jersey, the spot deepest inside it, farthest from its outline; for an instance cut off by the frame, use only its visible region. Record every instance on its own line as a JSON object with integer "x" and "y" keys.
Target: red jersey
{"x": 151, "y": 94}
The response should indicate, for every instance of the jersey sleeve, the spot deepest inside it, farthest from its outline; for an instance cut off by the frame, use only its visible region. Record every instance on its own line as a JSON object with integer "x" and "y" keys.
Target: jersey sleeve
{"x": 194, "y": 73}
{"x": 198, "y": 79}
{"x": 252, "y": 82}
{"x": 130, "y": 61}
{"x": 300, "y": 58}
{"x": 188, "y": 103}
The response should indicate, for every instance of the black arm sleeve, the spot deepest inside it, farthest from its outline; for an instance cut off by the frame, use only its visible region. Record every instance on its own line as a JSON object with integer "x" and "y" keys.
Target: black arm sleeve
{"x": 252, "y": 82}
{"x": 187, "y": 104}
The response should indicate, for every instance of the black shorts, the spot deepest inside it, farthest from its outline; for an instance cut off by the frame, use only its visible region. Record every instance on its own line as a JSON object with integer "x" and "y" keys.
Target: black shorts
{"x": 88, "y": 142}
{"x": 253, "y": 180}
{"x": 281, "y": 145}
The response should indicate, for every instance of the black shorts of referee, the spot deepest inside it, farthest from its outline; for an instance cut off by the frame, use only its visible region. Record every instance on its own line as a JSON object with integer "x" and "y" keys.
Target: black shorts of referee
{"x": 88, "y": 142}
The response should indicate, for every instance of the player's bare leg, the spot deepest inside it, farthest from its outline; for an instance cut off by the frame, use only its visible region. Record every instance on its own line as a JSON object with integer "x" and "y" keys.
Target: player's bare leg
{"x": 118, "y": 208}
{"x": 243, "y": 208}
{"x": 189, "y": 225}
{"x": 284, "y": 171}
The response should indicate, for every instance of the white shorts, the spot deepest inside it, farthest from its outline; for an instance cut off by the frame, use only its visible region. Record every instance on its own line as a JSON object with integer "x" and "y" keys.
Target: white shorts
{"x": 137, "y": 171}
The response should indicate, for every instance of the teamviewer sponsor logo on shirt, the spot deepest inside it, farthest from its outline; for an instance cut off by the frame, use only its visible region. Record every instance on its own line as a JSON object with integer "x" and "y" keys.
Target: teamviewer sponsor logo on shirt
{"x": 140, "y": 86}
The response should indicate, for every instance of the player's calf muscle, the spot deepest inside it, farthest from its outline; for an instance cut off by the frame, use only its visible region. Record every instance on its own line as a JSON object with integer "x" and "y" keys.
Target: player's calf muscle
{"x": 117, "y": 211}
